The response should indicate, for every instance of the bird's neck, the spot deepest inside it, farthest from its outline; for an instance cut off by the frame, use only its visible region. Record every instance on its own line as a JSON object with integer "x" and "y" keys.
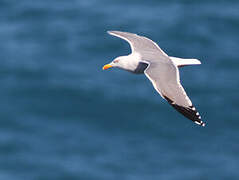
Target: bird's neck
{"x": 130, "y": 62}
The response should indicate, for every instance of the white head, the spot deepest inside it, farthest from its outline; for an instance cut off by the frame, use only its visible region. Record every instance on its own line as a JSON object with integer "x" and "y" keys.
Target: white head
{"x": 119, "y": 62}
{"x": 128, "y": 63}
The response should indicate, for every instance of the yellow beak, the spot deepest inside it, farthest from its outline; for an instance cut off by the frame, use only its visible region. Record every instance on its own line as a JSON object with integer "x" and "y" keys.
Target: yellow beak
{"x": 107, "y": 66}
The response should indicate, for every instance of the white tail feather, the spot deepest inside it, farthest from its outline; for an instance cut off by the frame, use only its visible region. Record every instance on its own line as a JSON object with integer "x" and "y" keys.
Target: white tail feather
{"x": 184, "y": 62}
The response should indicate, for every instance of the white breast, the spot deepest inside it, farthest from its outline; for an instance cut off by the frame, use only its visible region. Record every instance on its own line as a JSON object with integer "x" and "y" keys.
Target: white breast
{"x": 131, "y": 62}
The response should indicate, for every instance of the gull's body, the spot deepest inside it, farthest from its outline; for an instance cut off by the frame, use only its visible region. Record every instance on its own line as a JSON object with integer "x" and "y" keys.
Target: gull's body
{"x": 160, "y": 69}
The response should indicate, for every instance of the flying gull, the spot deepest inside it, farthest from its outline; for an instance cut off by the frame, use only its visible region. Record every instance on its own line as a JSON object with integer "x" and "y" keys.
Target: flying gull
{"x": 160, "y": 69}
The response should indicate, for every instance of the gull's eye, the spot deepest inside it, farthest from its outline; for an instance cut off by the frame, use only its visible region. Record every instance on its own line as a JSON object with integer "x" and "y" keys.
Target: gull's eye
{"x": 116, "y": 61}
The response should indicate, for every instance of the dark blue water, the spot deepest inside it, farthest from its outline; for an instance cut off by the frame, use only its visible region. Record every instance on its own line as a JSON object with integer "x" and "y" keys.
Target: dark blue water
{"x": 62, "y": 117}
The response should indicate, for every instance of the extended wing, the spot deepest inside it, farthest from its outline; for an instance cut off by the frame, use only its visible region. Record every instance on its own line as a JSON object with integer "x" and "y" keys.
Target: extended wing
{"x": 146, "y": 48}
{"x": 165, "y": 79}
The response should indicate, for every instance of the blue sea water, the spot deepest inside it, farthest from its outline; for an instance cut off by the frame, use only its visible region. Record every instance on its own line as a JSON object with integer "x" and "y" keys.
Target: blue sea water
{"x": 62, "y": 117}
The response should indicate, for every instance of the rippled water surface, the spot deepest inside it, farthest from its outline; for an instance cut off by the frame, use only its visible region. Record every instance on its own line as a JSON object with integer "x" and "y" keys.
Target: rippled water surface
{"x": 62, "y": 117}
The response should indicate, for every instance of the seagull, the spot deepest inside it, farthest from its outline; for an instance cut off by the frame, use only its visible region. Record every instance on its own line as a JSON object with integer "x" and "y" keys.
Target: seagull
{"x": 162, "y": 70}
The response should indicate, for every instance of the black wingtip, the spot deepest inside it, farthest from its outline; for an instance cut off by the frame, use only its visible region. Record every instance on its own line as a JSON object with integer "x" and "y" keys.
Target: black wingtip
{"x": 189, "y": 112}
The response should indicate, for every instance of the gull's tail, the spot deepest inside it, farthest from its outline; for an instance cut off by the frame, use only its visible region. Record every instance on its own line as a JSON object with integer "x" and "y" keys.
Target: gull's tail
{"x": 180, "y": 62}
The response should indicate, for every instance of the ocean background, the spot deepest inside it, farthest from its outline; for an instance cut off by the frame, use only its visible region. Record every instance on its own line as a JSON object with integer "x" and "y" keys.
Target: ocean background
{"x": 63, "y": 118}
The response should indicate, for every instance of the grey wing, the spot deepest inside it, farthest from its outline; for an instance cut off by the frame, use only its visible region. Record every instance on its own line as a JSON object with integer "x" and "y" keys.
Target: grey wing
{"x": 145, "y": 47}
{"x": 166, "y": 81}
